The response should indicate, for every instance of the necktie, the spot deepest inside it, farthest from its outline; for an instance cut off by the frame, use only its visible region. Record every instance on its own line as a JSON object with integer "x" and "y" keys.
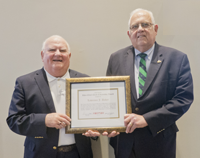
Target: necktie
{"x": 142, "y": 73}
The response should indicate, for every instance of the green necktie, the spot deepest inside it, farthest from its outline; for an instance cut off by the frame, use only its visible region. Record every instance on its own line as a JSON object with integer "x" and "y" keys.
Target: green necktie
{"x": 142, "y": 73}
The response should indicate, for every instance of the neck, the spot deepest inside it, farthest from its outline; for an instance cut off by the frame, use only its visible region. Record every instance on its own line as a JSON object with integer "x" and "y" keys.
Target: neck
{"x": 56, "y": 73}
{"x": 144, "y": 48}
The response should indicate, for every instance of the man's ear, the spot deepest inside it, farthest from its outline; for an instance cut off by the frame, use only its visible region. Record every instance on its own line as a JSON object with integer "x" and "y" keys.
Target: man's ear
{"x": 128, "y": 33}
{"x": 42, "y": 55}
{"x": 70, "y": 54}
{"x": 156, "y": 28}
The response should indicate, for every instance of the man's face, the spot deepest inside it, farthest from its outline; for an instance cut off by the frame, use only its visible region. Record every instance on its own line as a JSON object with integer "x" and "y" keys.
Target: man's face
{"x": 56, "y": 56}
{"x": 142, "y": 38}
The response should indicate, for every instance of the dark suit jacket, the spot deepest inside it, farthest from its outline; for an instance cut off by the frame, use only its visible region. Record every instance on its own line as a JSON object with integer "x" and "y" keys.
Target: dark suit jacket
{"x": 167, "y": 94}
{"x": 31, "y": 102}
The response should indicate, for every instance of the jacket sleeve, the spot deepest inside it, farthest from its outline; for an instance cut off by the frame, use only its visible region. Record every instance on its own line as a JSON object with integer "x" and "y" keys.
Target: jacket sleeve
{"x": 181, "y": 91}
{"x": 20, "y": 120}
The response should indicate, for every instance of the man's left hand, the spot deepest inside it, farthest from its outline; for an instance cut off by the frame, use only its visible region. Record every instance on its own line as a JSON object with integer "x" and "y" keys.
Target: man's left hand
{"x": 133, "y": 121}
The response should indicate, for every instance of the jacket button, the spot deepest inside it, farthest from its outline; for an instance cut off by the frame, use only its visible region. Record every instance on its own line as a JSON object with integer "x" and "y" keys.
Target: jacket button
{"x": 54, "y": 148}
{"x": 136, "y": 109}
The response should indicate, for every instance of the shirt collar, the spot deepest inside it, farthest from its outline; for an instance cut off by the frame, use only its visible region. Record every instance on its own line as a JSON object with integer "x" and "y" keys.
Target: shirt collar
{"x": 51, "y": 78}
{"x": 148, "y": 52}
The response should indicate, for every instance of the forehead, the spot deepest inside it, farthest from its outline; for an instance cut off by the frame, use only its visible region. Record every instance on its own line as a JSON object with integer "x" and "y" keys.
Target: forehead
{"x": 140, "y": 16}
{"x": 56, "y": 42}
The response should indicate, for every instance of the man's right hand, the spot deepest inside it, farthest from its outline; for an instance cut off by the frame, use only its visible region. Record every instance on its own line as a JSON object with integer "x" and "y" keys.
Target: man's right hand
{"x": 56, "y": 120}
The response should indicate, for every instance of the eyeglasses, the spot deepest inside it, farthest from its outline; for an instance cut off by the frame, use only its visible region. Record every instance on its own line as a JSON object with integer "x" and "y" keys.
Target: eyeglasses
{"x": 143, "y": 25}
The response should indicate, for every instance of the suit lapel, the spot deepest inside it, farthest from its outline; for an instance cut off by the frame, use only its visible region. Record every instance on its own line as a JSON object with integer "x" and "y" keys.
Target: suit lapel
{"x": 129, "y": 60}
{"x": 154, "y": 67}
{"x": 41, "y": 80}
{"x": 72, "y": 74}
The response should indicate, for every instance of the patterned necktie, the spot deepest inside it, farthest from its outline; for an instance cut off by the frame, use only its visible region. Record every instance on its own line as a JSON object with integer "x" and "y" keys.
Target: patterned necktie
{"x": 142, "y": 73}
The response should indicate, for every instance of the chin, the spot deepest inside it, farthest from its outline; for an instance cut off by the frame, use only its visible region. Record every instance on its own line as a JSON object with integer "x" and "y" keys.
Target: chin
{"x": 57, "y": 67}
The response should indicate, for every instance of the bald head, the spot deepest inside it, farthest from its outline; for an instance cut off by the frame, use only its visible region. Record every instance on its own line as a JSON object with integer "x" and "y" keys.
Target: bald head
{"x": 141, "y": 10}
{"x": 57, "y": 37}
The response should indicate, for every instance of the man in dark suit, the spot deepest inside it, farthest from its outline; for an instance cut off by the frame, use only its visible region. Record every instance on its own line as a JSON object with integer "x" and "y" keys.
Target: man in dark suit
{"x": 161, "y": 91}
{"x": 37, "y": 108}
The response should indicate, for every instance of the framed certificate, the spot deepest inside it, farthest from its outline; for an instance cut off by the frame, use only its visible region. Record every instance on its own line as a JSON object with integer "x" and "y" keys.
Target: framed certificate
{"x": 97, "y": 103}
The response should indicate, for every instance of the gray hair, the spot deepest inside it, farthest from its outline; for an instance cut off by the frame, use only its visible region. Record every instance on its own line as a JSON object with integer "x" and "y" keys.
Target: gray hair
{"x": 140, "y": 9}
{"x": 44, "y": 43}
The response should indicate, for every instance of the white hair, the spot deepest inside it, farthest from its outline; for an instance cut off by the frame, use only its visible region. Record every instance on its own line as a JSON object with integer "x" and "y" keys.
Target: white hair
{"x": 137, "y": 10}
{"x": 44, "y": 43}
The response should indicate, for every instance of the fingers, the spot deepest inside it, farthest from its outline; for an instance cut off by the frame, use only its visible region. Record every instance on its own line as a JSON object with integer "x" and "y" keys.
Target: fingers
{"x": 56, "y": 120}
{"x": 64, "y": 121}
{"x": 112, "y": 134}
{"x": 65, "y": 117}
{"x": 129, "y": 122}
{"x": 105, "y": 133}
{"x": 126, "y": 115}
{"x": 61, "y": 125}
{"x": 127, "y": 119}
{"x": 91, "y": 133}
{"x": 133, "y": 121}
{"x": 130, "y": 127}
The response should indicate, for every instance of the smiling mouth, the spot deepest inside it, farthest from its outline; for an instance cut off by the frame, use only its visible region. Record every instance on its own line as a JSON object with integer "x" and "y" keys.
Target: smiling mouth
{"x": 57, "y": 60}
{"x": 140, "y": 36}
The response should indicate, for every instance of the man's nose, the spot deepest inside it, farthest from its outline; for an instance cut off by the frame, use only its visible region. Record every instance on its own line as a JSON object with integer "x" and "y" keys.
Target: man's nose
{"x": 57, "y": 52}
{"x": 140, "y": 28}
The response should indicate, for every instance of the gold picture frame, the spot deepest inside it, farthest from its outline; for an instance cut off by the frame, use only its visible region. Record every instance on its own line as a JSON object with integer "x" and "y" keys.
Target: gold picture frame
{"x": 99, "y": 103}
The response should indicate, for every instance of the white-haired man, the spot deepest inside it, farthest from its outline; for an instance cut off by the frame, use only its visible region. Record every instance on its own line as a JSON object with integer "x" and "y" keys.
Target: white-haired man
{"x": 161, "y": 91}
{"x": 37, "y": 108}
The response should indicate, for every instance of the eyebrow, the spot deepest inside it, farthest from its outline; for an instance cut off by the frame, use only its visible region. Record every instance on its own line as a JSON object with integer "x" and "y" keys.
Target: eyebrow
{"x": 63, "y": 49}
{"x": 56, "y": 48}
{"x": 141, "y": 22}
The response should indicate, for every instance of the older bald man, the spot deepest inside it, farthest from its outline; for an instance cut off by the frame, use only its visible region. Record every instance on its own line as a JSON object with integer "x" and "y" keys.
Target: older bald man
{"x": 37, "y": 108}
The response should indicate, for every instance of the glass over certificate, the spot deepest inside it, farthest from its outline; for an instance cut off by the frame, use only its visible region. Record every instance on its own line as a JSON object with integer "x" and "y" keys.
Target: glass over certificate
{"x": 97, "y": 103}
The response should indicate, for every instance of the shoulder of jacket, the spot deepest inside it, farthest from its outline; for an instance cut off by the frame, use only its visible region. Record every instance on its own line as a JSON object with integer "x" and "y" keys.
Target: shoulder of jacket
{"x": 74, "y": 72}
{"x": 169, "y": 50}
{"x": 31, "y": 74}
{"x": 122, "y": 51}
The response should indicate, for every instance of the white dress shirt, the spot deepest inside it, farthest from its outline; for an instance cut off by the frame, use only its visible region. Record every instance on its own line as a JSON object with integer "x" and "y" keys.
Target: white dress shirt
{"x": 148, "y": 58}
{"x": 58, "y": 91}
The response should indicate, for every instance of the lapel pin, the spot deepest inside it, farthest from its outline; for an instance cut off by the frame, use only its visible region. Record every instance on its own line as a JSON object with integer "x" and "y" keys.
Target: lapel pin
{"x": 159, "y": 61}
